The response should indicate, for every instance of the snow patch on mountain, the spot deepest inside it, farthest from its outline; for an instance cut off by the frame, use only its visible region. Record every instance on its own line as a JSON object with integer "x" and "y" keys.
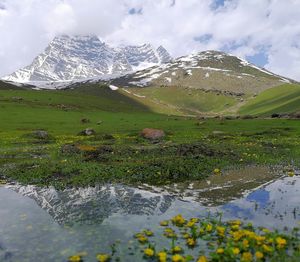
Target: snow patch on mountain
{"x": 208, "y": 61}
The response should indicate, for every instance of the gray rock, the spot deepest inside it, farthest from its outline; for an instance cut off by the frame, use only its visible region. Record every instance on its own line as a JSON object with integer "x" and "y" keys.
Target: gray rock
{"x": 87, "y": 132}
{"x": 40, "y": 134}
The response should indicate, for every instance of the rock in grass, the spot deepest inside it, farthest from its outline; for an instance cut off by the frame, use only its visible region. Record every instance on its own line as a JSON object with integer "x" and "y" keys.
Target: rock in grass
{"x": 217, "y": 132}
{"x": 275, "y": 115}
{"x": 68, "y": 149}
{"x": 85, "y": 120}
{"x": 87, "y": 132}
{"x": 153, "y": 134}
{"x": 40, "y": 134}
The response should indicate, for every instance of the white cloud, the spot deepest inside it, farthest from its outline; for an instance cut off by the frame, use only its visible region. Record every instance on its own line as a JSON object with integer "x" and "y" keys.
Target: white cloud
{"x": 242, "y": 27}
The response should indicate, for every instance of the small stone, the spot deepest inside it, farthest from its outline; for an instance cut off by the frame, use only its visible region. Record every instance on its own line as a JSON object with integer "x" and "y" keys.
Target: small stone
{"x": 85, "y": 120}
{"x": 40, "y": 134}
{"x": 87, "y": 132}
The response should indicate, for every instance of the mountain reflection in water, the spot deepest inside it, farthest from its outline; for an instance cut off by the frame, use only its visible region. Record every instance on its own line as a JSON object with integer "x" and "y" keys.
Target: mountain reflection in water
{"x": 45, "y": 222}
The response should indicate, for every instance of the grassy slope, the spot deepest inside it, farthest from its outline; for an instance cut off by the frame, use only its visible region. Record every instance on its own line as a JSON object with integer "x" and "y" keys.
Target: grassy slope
{"x": 281, "y": 99}
{"x": 182, "y": 101}
{"x": 61, "y": 111}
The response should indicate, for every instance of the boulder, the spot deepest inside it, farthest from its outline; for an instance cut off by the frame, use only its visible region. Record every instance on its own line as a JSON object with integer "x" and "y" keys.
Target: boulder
{"x": 275, "y": 115}
{"x": 69, "y": 149}
{"x": 153, "y": 134}
{"x": 87, "y": 132}
{"x": 40, "y": 134}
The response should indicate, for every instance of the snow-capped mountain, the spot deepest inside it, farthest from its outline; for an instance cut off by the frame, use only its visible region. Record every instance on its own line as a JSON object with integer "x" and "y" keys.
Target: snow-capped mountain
{"x": 208, "y": 70}
{"x": 94, "y": 204}
{"x": 81, "y": 57}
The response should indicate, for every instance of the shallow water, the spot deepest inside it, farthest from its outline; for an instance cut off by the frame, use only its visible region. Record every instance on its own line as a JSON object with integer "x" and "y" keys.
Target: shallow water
{"x": 42, "y": 224}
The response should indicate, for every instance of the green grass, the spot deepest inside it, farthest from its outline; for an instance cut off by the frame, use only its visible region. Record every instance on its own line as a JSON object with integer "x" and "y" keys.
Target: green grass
{"x": 191, "y": 149}
{"x": 281, "y": 99}
{"x": 182, "y": 101}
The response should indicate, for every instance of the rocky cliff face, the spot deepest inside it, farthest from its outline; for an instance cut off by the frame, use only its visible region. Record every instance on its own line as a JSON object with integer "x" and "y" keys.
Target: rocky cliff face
{"x": 81, "y": 57}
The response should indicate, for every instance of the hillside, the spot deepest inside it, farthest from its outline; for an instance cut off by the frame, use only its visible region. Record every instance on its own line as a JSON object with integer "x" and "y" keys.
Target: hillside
{"x": 207, "y": 83}
{"x": 210, "y": 71}
{"x": 280, "y": 100}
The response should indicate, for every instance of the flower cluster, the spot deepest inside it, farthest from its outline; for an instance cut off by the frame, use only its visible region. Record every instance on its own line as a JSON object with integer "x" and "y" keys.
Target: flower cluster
{"x": 209, "y": 239}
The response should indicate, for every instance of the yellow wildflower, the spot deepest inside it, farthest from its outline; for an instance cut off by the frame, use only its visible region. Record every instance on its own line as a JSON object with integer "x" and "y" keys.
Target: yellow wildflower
{"x": 259, "y": 255}
{"x": 265, "y": 230}
{"x": 190, "y": 223}
{"x": 267, "y": 248}
{"x": 235, "y": 251}
{"x": 260, "y": 239}
{"x": 177, "y": 249}
{"x": 164, "y": 223}
{"x": 178, "y": 220}
{"x": 208, "y": 227}
{"x": 191, "y": 242}
{"x": 217, "y": 171}
{"x": 235, "y": 227}
{"x": 201, "y": 231}
{"x": 169, "y": 232}
{"x": 162, "y": 256}
{"x": 142, "y": 239}
{"x": 246, "y": 257}
{"x": 148, "y": 233}
{"x": 75, "y": 258}
{"x": 178, "y": 258}
{"x": 194, "y": 219}
{"x": 221, "y": 231}
{"x": 281, "y": 242}
{"x": 149, "y": 252}
{"x": 103, "y": 257}
{"x": 202, "y": 259}
{"x": 237, "y": 235}
{"x": 235, "y": 222}
{"x": 220, "y": 250}
{"x": 245, "y": 243}
{"x": 186, "y": 235}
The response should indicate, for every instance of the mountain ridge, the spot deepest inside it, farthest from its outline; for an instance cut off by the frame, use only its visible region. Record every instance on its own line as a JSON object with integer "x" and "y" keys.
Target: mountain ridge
{"x": 209, "y": 70}
{"x": 82, "y": 57}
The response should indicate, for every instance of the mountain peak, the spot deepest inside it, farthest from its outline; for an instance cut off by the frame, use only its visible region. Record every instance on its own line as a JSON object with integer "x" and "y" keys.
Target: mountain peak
{"x": 86, "y": 56}
{"x": 208, "y": 70}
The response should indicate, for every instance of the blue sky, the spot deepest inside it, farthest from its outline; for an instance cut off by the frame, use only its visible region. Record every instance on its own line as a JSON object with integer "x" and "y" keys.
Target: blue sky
{"x": 265, "y": 32}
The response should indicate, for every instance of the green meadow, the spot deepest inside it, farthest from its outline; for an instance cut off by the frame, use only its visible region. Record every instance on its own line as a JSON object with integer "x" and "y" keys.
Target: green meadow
{"x": 191, "y": 150}
{"x": 281, "y": 99}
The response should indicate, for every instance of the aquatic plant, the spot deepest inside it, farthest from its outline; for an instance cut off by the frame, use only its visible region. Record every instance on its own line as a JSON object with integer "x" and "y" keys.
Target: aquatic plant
{"x": 211, "y": 239}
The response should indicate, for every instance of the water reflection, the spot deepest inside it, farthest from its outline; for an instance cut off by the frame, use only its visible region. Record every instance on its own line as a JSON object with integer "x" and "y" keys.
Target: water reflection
{"x": 94, "y": 204}
{"x": 50, "y": 224}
